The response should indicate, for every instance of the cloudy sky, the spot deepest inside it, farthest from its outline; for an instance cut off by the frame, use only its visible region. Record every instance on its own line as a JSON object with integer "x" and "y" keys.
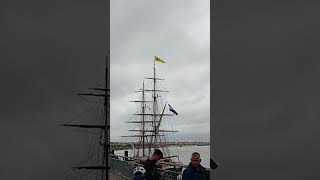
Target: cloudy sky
{"x": 180, "y": 35}
{"x": 266, "y": 80}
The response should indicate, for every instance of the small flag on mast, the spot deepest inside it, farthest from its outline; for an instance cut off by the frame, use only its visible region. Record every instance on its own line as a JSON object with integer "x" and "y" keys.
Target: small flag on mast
{"x": 156, "y": 58}
{"x": 172, "y": 110}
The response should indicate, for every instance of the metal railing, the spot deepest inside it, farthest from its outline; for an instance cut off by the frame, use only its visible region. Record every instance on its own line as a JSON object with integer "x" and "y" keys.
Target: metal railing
{"x": 170, "y": 175}
{"x": 122, "y": 169}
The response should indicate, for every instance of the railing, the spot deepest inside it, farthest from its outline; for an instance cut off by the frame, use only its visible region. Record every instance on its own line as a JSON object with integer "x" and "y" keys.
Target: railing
{"x": 123, "y": 170}
{"x": 170, "y": 175}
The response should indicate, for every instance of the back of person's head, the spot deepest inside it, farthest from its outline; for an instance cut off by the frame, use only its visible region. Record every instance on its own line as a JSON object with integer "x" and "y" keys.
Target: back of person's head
{"x": 158, "y": 154}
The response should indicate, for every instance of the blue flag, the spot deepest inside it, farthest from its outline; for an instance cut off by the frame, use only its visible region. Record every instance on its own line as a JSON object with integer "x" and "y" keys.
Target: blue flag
{"x": 172, "y": 110}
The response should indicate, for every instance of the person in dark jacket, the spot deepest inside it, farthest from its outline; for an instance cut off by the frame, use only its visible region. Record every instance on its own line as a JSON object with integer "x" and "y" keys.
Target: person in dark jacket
{"x": 195, "y": 171}
{"x": 151, "y": 165}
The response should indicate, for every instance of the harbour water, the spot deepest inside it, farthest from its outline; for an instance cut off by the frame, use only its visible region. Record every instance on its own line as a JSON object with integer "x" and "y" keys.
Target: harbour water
{"x": 184, "y": 153}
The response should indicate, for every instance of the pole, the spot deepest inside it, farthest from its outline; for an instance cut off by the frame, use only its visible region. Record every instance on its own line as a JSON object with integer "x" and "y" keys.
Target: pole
{"x": 143, "y": 124}
{"x": 107, "y": 123}
{"x": 154, "y": 100}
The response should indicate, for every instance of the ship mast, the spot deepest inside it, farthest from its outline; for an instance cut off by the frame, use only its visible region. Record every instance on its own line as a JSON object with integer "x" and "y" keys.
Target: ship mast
{"x": 104, "y": 127}
{"x": 154, "y": 101}
{"x": 143, "y": 123}
{"x": 153, "y": 130}
{"x": 107, "y": 119}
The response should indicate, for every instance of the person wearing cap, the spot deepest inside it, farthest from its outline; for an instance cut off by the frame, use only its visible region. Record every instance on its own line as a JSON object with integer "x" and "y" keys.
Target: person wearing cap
{"x": 151, "y": 167}
{"x": 195, "y": 171}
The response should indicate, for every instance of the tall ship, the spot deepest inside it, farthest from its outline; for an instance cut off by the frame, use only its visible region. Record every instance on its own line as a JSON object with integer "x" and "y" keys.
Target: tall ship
{"x": 96, "y": 163}
{"x": 147, "y": 133}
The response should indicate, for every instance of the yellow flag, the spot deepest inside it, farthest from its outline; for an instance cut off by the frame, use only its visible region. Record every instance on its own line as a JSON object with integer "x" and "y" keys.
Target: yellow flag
{"x": 156, "y": 58}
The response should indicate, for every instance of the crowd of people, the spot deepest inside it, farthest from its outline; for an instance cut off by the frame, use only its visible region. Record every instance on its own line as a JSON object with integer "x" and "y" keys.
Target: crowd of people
{"x": 149, "y": 171}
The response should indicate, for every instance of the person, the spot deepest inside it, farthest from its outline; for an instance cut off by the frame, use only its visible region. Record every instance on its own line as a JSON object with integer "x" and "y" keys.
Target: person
{"x": 195, "y": 171}
{"x": 151, "y": 167}
{"x": 139, "y": 173}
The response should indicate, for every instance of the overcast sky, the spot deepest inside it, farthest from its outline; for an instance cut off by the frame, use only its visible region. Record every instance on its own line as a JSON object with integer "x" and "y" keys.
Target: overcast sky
{"x": 266, "y": 80}
{"x": 180, "y": 34}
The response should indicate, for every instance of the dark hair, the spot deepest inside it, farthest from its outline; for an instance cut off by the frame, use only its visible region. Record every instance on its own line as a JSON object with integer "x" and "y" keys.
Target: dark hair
{"x": 158, "y": 152}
